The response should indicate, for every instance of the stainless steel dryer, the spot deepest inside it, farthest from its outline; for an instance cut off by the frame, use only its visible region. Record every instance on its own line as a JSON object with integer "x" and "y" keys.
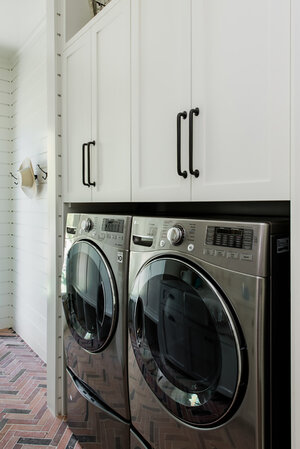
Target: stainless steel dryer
{"x": 94, "y": 295}
{"x": 209, "y": 361}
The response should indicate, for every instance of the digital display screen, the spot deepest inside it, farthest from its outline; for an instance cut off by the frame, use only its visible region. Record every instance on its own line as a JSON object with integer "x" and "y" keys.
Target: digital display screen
{"x": 229, "y": 231}
{"x": 230, "y": 237}
{"x": 111, "y": 225}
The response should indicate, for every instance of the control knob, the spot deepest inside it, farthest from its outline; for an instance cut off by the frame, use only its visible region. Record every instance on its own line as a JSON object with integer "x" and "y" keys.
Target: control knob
{"x": 87, "y": 225}
{"x": 175, "y": 235}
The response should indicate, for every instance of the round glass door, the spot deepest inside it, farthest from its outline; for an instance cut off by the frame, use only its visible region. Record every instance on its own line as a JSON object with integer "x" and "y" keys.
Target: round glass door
{"x": 89, "y": 297}
{"x": 186, "y": 342}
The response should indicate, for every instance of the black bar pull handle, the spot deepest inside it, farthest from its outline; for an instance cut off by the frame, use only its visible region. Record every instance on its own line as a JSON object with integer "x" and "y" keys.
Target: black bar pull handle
{"x": 179, "y": 116}
{"x": 191, "y": 141}
{"x": 83, "y": 166}
{"x": 89, "y": 162}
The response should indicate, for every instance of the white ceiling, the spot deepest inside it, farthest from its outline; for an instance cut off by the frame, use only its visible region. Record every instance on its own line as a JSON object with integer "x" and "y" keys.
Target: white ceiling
{"x": 18, "y": 19}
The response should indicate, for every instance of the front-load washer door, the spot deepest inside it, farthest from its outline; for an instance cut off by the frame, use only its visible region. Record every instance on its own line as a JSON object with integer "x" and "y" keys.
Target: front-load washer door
{"x": 89, "y": 296}
{"x": 187, "y": 342}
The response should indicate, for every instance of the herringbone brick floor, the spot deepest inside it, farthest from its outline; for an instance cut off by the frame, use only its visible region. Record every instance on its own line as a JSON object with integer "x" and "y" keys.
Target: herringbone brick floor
{"x": 25, "y": 421}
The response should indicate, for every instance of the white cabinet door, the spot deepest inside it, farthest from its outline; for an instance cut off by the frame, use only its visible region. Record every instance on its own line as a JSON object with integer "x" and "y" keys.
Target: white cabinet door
{"x": 77, "y": 118}
{"x": 241, "y": 84}
{"x": 161, "y": 88}
{"x": 111, "y": 104}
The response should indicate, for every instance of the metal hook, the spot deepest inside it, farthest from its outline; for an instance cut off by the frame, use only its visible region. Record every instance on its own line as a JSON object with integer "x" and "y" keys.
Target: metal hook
{"x": 13, "y": 176}
{"x": 46, "y": 173}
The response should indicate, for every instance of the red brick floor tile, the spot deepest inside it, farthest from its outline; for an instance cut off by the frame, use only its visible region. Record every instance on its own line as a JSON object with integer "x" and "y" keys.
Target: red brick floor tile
{"x": 25, "y": 420}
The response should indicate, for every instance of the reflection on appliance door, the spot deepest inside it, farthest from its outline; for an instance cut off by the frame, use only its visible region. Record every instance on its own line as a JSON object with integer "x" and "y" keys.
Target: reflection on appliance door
{"x": 186, "y": 323}
{"x": 136, "y": 442}
{"x": 93, "y": 425}
{"x": 91, "y": 307}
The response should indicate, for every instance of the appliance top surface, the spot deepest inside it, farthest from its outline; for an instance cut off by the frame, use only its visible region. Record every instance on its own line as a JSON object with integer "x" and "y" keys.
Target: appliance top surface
{"x": 104, "y": 229}
{"x": 237, "y": 244}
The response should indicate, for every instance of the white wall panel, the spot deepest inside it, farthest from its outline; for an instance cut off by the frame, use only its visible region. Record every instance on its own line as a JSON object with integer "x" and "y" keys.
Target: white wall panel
{"x": 30, "y": 216}
{"x": 5, "y": 196}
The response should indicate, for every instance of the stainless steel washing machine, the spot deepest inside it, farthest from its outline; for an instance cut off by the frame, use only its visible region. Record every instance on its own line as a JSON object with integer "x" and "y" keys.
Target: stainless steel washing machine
{"x": 136, "y": 442}
{"x": 209, "y": 364}
{"x": 95, "y": 297}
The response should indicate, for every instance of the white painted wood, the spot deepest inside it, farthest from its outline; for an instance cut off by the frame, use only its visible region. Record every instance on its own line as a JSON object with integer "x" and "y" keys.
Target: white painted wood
{"x": 5, "y": 99}
{"x": 76, "y": 14}
{"x": 96, "y": 77}
{"x": 241, "y": 83}
{"x": 111, "y": 104}
{"x": 240, "y": 80}
{"x": 77, "y": 116}
{"x": 5, "y": 180}
{"x": 161, "y": 73}
{"x": 28, "y": 316}
{"x": 6, "y": 251}
{"x": 5, "y": 264}
{"x": 55, "y": 365}
{"x": 5, "y": 196}
{"x": 295, "y": 226}
{"x": 4, "y": 321}
{"x": 30, "y": 243}
{"x": 5, "y": 311}
{"x": 5, "y": 133}
{"x": 5, "y": 300}
{"x": 5, "y": 192}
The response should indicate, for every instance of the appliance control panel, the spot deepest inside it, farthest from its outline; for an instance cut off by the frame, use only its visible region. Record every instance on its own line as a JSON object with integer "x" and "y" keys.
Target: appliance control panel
{"x": 235, "y": 245}
{"x": 230, "y": 237}
{"x": 109, "y": 230}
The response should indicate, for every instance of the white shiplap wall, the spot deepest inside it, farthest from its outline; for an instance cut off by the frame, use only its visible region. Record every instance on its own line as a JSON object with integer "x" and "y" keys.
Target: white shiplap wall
{"x": 30, "y": 216}
{"x": 5, "y": 196}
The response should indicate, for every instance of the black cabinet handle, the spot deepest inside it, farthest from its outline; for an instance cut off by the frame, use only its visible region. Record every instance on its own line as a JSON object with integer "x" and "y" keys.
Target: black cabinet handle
{"x": 83, "y": 166}
{"x": 179, "y": 116}
{"x": 191, "y": 141}
{"x": 89, "y": 163}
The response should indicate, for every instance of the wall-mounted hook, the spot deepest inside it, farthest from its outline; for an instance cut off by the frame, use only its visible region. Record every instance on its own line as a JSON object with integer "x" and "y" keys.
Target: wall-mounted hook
{"x": 46, "y": 173}
{"x": 13, "y": 176}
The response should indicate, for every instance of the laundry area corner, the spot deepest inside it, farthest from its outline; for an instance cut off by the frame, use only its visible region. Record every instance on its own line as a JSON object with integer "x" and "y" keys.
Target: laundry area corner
{"x": 149, "y": 222}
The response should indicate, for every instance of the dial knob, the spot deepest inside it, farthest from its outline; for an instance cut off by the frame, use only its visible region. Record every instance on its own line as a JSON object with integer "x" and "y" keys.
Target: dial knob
{"x": 87, "y": 225}
{"x": 175, "y": 235}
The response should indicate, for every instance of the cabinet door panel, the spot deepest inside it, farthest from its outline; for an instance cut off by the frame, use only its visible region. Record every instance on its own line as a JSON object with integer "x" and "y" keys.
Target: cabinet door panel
{"x": 240, "y": 82}
{"x": 111, "y": 104}
{"x": 76, "y": 117}
{"x": 161, "y": 72}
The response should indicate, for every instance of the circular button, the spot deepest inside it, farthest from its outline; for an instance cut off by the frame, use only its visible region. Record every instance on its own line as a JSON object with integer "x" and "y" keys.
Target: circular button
{"x": 162, "y": 243}
{"x": 87, "y": 225}
{"x": 190, "y": 247}
{"x": 175, "y": 235}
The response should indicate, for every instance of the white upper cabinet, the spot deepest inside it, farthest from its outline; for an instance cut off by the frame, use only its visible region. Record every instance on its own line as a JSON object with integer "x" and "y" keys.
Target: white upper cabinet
{"x": 231, "y": 60}
{"x": 161, "y": 74}
{"x": 241, "y": 85}
{"x": 111, "y": 105}
{"x": 96, "y": 111}
{"x": 77, "y": 118}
